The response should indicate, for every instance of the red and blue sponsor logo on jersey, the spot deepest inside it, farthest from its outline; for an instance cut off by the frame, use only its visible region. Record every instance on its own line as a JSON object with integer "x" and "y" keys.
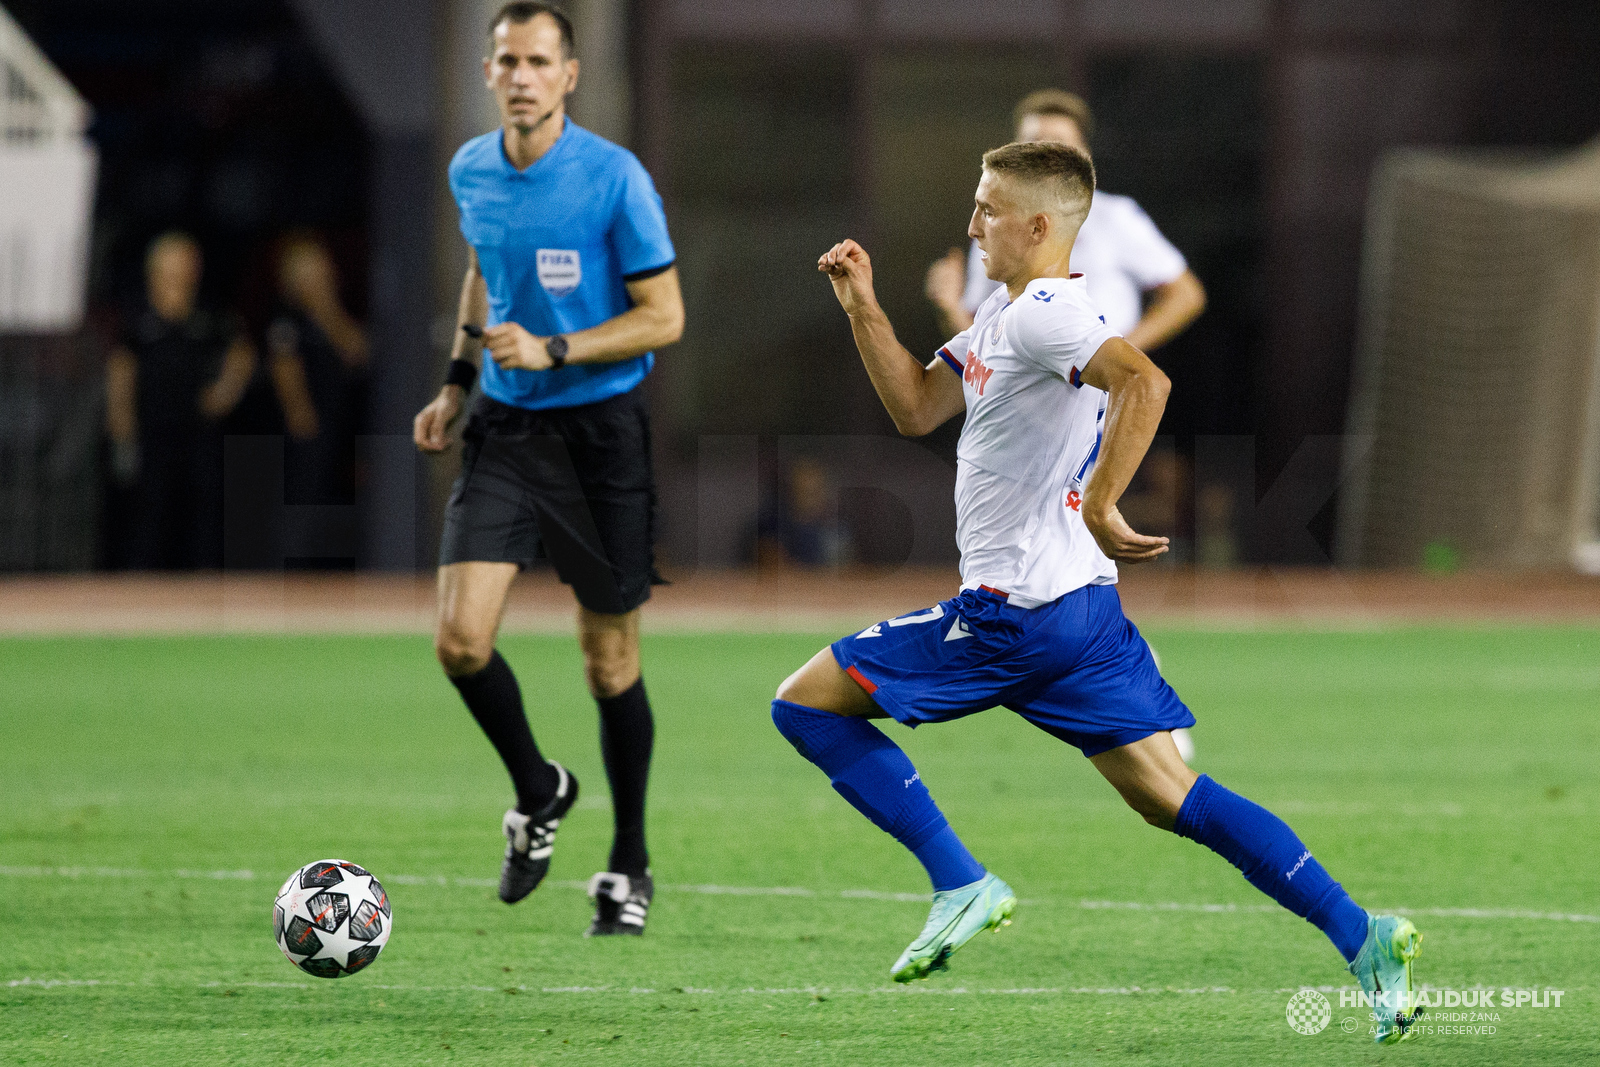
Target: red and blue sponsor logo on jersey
{"x": 975, "y": 372}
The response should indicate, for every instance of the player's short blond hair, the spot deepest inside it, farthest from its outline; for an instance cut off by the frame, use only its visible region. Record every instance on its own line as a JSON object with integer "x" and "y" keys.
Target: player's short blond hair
{"x": 1063, "y": 175}
{"x": 1057, "y": 102}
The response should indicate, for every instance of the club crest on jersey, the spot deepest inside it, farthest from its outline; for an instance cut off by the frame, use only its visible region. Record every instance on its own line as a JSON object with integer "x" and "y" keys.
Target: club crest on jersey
{"x": 560, "y": 271}
{"x": 976, "y": 373}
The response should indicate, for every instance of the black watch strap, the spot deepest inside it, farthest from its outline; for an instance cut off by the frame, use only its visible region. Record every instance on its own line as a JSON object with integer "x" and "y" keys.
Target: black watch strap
{"x": 462, "y": 373}
{"x": 557, "y": 348}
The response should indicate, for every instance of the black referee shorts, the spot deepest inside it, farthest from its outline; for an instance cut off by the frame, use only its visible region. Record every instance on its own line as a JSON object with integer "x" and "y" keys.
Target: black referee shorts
{"x": 573, "y": 485}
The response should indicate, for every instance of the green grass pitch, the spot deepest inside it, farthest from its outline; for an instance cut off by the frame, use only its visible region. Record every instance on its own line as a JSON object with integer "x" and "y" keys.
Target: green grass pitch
{"x": 1431, "y": 769}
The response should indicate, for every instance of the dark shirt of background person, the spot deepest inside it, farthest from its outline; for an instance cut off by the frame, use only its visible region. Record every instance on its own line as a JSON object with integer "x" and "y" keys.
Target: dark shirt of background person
{"x": 318, "y": 361}
{"x": 175, "y": 374}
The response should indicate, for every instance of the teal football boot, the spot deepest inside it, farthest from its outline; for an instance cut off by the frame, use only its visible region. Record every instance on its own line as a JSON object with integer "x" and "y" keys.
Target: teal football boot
{"x": 957, "y": 916}
{"x": 1383, "y": 967}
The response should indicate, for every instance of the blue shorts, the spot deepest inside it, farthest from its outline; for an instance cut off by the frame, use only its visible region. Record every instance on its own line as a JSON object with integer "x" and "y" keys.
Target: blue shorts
{"x": 1075, "y": 667}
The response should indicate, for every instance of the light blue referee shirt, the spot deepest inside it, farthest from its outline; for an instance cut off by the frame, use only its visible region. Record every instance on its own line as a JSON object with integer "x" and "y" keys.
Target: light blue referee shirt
{"x": 556, "y": 244}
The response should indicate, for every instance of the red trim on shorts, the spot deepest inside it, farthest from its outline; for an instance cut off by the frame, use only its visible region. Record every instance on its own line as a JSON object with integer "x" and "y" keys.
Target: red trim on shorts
{"x": 1001, "y": 593}
{"x": 862, "y": 680}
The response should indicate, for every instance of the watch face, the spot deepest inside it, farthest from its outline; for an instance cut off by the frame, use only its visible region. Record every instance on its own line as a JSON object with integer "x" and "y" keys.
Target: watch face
{"x": 557, "y": 347}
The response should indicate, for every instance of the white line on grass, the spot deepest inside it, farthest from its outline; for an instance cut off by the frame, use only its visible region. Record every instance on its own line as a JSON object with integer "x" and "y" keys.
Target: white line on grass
{"x": 790, "y": 891}
{"x": 819, "y": 992}
{"x": 809, "y": 991}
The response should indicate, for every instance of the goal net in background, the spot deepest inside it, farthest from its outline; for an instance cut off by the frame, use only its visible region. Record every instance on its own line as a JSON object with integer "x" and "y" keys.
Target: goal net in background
{"x": 50, "y": 372}
{"x": 1474, "y": 427}
{"x": 47, "y": 173}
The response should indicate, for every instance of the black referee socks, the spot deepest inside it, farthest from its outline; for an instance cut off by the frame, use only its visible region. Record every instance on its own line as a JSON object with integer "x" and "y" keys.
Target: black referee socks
{"x": 627, "y": 734}
{"x": 495, "y": 701}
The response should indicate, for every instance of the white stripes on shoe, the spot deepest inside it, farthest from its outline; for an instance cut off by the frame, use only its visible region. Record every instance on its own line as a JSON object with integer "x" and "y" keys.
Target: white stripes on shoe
{"x": 528, "y": 838}
{"x": 617, "y": 887}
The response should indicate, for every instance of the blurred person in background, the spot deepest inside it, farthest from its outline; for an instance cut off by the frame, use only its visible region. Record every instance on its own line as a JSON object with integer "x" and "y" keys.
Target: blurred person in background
{"x": 317, "y": 356}
{"x": 176, "y": 373}
{"x": 801, "y": 527}
{"x": 1121, "y": 254}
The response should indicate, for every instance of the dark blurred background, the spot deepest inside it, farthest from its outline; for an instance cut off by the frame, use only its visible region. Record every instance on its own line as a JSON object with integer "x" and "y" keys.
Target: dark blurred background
{"x": 1248, "y": 129}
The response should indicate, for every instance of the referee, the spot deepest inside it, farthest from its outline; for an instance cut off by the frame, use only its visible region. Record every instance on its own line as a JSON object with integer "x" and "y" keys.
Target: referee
{"x": 569, "y": 287}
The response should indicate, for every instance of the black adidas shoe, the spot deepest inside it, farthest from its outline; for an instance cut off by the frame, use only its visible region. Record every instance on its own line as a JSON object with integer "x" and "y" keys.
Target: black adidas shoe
{"x": 531, "y": 838}
{"x": 620, "y": 903}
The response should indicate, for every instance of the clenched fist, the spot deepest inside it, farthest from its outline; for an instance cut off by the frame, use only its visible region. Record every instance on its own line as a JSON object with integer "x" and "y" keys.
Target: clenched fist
{"x": 514, "y": 348}
{"x": 848, "y": 266}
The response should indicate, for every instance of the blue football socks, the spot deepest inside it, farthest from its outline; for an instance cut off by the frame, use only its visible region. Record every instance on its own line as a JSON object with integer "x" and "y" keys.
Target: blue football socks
{"x": 877, "y": 778}
{"x": 1272, "y": 859}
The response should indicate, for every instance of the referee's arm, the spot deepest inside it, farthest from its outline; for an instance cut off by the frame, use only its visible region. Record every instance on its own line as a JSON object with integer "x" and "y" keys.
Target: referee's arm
{"x": 431, "y": 428}
{"x": 654, "y": 320}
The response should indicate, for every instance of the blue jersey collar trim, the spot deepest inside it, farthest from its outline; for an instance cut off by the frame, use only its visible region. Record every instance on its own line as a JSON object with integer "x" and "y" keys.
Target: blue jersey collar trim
{"x": 510, "y": 168}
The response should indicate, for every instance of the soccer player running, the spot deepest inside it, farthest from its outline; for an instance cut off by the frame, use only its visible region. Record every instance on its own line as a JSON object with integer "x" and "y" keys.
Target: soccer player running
{"x": 1037, "y": 626}
{"x": 569, "y": 287}
{"x": 1123, "y": 257}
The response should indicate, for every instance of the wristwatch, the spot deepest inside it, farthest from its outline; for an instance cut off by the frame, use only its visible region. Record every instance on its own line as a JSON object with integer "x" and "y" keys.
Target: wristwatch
{"x": 557, "y": 348}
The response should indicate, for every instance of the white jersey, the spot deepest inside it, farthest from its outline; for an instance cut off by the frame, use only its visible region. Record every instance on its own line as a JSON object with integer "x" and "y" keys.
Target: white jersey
{"x": 1029, "y": 443}
{"x": 1120, "y": 254}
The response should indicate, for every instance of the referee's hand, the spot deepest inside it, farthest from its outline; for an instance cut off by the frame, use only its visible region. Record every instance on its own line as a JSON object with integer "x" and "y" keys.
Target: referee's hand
{"x": 514, "y": 348}
{"x": 431, "y": 428}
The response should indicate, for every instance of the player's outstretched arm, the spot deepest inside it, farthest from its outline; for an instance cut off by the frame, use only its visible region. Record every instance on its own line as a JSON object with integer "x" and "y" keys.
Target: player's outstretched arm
{"x": 919, "y": 399}
{"x": 1138, "y": 395}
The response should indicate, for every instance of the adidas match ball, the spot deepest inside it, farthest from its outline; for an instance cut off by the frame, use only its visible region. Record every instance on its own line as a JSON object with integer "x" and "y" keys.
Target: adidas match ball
{"x": 331, "y": 918}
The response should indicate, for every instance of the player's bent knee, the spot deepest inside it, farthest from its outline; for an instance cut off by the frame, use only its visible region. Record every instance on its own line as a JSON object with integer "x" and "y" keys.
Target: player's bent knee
{"x": 610, "y": 679}
{"x": 787, "y": 689}
{"x": 609, "y": 670}
{"x": 460, "y": 652}
{"x": 1154, "y": 808}
{"x": 812, "y": 685}
{"x": 804, "y": 689}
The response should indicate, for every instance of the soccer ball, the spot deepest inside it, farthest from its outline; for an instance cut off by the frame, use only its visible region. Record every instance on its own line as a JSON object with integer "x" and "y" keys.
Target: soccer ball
{"x": 331, "y": 918}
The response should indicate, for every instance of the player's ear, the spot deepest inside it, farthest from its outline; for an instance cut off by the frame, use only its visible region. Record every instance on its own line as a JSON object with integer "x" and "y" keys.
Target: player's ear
{"x": 572, "y": 74}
